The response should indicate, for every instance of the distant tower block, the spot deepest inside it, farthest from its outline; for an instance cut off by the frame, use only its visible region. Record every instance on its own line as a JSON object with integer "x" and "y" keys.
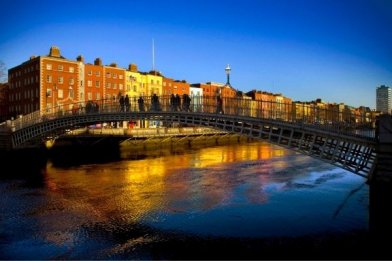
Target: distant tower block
{"x": 227, "y": 70}
{"x": 54, "y": 52}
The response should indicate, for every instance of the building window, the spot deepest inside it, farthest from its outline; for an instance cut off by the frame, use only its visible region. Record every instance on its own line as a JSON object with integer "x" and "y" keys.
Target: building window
{"x": 98, "y": 96}
{"x": 89, "y": 96}
{"x": 71, "y": 92}
{"x": 71, "y": 69}
{"x": 120, "y": 86}
{"x": 60, "y": 67}
{"x": 60, "y": 93}
{"x": 89, "y": 83}
{"x": 97, "y": 73}
{"x": 107, "y": 75}
{"x": 121, "y": 76}
{"x": 114, "y": 85}
{"x": 71, "y": 81}
{"x": 48, "y": 92}
{"x": 90, "y": 72}
{"x": 48, "y": 78}
{"x": 61, "y": 80}
{"x": 97, "y": 83}
{"x": 114, "y": 76}
{"x": 49, "y": 66}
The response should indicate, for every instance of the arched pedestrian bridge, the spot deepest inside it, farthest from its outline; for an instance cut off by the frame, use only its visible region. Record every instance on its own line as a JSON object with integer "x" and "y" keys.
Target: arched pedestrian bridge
{"x": 332, "y": 136}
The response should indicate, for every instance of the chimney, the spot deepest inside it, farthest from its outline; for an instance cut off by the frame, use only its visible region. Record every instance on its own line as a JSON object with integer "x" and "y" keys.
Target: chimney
{"x": 80, "y": 58}
{"x": 98, "y": 61}
{"x": 113, "y": 65}
{"x": 32, "y": 57}
{"x": 132, "y": 67}
{"x": 54, "y": 52}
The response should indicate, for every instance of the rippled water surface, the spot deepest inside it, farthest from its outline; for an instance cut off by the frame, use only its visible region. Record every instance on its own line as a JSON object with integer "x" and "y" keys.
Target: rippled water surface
{"x": 121, "y": 209}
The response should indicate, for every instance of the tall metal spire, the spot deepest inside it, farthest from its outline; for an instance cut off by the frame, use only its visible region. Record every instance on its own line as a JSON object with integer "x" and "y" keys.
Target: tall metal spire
{"x": 153, "y": 55}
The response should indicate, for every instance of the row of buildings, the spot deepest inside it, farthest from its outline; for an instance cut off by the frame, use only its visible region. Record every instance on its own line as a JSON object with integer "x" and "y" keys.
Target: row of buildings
{"x": 46, "y": 82}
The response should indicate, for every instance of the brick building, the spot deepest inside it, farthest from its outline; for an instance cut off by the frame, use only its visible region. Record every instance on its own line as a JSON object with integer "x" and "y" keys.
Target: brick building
{"x": 170, "y": 86}
{"x": 45, "y": 83}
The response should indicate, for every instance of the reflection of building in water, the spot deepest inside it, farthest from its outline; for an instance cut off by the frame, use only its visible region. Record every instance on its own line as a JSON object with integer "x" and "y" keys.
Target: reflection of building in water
{"x": 190, "y": 182}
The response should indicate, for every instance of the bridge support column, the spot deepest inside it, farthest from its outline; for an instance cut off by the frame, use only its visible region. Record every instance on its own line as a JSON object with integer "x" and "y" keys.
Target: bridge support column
{"x": 380, "y": 186}
{"x": 383, "y": 169}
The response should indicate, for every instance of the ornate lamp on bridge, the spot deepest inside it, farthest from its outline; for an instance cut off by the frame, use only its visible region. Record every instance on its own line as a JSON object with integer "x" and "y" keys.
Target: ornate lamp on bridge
{"x": 227, "y": 70}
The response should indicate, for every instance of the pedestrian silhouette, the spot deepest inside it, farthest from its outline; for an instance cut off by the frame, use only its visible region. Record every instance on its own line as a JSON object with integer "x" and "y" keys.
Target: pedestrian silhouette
{"x": 126, "y": 103}
{"x": 140, "y": 102}
{"x": 122, "y": 102}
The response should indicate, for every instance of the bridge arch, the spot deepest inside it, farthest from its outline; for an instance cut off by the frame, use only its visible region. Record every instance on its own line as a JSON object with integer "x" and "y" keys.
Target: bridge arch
{"x": 350, "y": 153}
{"x": 354, "y": 153}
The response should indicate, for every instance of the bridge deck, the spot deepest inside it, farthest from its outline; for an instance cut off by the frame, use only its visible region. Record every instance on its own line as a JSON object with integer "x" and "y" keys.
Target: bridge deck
{"x": 349, "y": 146}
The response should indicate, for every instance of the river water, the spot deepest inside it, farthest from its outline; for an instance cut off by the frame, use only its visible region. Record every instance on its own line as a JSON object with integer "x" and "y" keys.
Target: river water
{"x": 249, "y": 200}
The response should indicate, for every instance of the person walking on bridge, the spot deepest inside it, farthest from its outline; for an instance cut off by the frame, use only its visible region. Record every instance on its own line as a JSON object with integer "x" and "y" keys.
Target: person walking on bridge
{"x": 127, "y": 103}
{"x": 122, "y": 101}
{"x": 140, "y": 102}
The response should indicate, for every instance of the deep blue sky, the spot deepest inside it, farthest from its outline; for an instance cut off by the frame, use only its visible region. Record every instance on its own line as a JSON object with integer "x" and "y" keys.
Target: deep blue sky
{"x": 337, "y": 50}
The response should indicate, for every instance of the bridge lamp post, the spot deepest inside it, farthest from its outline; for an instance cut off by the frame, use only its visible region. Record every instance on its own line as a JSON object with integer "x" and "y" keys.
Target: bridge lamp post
{"x": 228, "y": 70}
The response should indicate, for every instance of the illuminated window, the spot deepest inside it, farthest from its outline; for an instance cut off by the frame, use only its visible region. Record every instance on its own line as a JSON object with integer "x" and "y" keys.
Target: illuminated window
{"x": 71, "y": 69}
{"x": 60, "y": 93}
{"x": 89, "y": 83}
{"x": 60, "y": 67}
{"x": 48, "y": 66}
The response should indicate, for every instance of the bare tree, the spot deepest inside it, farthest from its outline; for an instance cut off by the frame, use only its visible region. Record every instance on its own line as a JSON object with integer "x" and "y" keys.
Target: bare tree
{"x": 3, "y": 72}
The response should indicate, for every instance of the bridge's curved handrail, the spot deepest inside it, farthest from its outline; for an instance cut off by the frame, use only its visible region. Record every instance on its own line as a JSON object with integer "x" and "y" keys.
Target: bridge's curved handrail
{"x": 321, "y": 120}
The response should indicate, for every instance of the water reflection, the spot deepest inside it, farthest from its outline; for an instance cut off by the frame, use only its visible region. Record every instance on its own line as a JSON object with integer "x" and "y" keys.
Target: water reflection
{"x": 242, "y": 190}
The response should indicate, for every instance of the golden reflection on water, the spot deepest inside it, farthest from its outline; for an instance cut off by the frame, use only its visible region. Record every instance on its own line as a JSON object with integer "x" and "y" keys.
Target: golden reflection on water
{"x": 132, "y": 189}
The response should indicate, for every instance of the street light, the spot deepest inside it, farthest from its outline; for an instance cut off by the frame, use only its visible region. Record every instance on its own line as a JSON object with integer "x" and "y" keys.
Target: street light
{"x": 227, "y": 70}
